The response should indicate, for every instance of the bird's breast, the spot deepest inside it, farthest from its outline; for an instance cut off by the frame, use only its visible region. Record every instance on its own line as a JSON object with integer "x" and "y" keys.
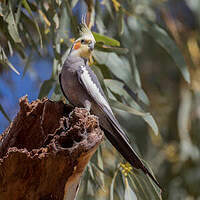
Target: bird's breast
{"x": 72, "y": 89}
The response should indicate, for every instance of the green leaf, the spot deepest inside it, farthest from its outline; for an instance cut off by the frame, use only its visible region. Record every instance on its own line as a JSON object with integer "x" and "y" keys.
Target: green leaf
{"x": 138, "y": 187}
{"x": 129, "y": 194}
{"x": 12, "y": 26}
{"x": 99, "y": 18}
{"x": 136, "y": 74}
{"x": 146, "y": 116}
{"x": 12, "y": 67}
{"x": 4, "y": 113}
{"x": 105, "y": 48}
{"x": 100, "y": 164}
{"x": 150, "y": 120}
{"x": 147, "y": 186}
{"x": 26, "y": 5}
{"x": 30, "y": 40}
{"x": 46, "y": 88}
{"x": 4, "y": 60}
{"x": 121, "y": 22}
{"x": 121, "y": 106}
{"x": 90, "y": 171}
{"x": 108, "y": 7}
{"x": 144, "y": 187}
{"x": 116, "y": 86}
{"x": 119, "y": 86}
{"x": 57, "y": 94}
{"x": 105, "y": 39}
{"x": 18, "y": 14}
{"x": 90, "y": 188}
{"x": 119, "y": 66}
{"x": 163, "y": 39}
{"x": 99, "y": 169}
{"x": 56, "y": 67}
{"x": 73, "y": 20}
{"x": 27, "y": 64}
{"x": 112, "y": 185}
{"x": 10, "y": 48}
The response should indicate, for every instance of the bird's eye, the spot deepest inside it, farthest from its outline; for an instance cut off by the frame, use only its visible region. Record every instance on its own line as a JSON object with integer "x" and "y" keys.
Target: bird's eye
{"x": 82, "y": 41}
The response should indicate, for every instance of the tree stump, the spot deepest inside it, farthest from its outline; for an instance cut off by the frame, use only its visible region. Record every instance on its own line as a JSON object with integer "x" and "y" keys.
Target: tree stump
{"x": 44, "y": 151}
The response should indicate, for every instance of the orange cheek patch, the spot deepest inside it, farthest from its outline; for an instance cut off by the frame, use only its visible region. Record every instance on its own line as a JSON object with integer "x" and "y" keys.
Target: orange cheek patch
{"x": 77, "y": 45}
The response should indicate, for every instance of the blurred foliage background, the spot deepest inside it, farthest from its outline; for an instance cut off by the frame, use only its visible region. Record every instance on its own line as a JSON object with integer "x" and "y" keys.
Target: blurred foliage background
{"x": 147, "y": 63}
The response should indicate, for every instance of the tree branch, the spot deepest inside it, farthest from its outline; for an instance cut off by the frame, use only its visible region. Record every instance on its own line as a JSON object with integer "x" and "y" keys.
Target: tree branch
{"x": 44, "y": 151}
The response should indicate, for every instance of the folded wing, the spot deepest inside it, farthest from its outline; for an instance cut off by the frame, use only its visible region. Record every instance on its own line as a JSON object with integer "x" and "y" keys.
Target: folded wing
{"x": 116, "y": 136}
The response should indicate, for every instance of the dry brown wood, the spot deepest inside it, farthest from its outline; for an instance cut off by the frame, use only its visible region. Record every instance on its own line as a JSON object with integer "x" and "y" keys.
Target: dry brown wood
{"x": 44, "y": 151}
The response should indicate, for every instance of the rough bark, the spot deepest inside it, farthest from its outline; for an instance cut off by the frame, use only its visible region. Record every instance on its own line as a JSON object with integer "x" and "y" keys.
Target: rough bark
{"x": 45, "y": 149}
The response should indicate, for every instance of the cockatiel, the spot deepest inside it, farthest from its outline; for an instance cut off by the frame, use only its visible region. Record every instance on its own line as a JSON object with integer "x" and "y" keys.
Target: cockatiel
{"x": 81, "y": 87}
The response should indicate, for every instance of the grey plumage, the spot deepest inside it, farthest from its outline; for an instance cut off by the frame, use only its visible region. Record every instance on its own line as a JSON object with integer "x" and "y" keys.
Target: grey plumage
{"x": 79, "y": 90}
{"x": 81, "y": 87}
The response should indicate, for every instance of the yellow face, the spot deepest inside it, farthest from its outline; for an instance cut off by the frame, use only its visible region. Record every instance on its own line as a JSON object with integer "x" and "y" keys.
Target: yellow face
{"x": 83, "y": 48}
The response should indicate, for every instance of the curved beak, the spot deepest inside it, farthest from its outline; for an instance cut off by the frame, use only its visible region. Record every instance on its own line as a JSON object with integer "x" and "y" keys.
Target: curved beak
{"x": 91, "y": 46}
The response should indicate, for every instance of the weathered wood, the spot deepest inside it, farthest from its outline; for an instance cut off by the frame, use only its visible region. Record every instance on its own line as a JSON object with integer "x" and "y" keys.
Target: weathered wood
{"x": 44, "y": 151}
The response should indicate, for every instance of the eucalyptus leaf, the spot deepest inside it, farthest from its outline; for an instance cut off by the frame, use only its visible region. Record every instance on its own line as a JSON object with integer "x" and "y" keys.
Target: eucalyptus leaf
{"x": 46, "y": 88}
{"x": 112, "y": 185}
{"x": 27, "y": 21}
{"x": 146, "y": 188}
{"x": 164, "y": 40}
{"x": 73, "y": 20}
{"x": 105, "y": 39}
{"x": 18, "y": 14}
{"x": 108, "y": 7}
{"x": 4, "y": 60}
{"x": 90, "y": 171}
{"x": 135, "y": 70}
{"x": 115, "y": 86}
{"x": 119, "y": 66}
{"x": 150, "y": 120}
{"x": 129, "y": 193}
{"x": 12, "y": 26}
{"x": 27, "y": 64}
{"x": 99, "y": 169}
{"x": 10, "y": 48}
{"x": 121, "y": 22}
{"x": 57, "y": 94}
{"x": 4, "y": 113}
{"x": 12, "y": 67}
{"x": 146, "y": 116}
{"x": 138, "y": 187}
{"x": 99, "y": 18}
{"x": 90, "y": 190}
{"x": 105, "y": 48}
{"x": 134, "y": 95}
{"x": 121, "y": 106}
{"x": 100, "y": 164}
{"x": 26, "y": 5}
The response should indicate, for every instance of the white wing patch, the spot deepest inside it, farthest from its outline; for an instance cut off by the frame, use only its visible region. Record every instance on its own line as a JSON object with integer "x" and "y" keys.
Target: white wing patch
{"x": 96, "y": 94}
{"x": 93, "y": 89}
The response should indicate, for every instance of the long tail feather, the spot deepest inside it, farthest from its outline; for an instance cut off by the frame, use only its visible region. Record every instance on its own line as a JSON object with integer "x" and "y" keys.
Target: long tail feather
{"x": 127, "y": 152}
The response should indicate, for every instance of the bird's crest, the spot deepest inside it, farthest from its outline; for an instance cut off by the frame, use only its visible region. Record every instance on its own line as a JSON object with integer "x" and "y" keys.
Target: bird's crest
{"x": 85, "y": 31}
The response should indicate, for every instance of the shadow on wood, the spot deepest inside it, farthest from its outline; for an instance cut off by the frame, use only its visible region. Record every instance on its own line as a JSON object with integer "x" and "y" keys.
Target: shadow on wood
{"x": 44, "y": 151}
